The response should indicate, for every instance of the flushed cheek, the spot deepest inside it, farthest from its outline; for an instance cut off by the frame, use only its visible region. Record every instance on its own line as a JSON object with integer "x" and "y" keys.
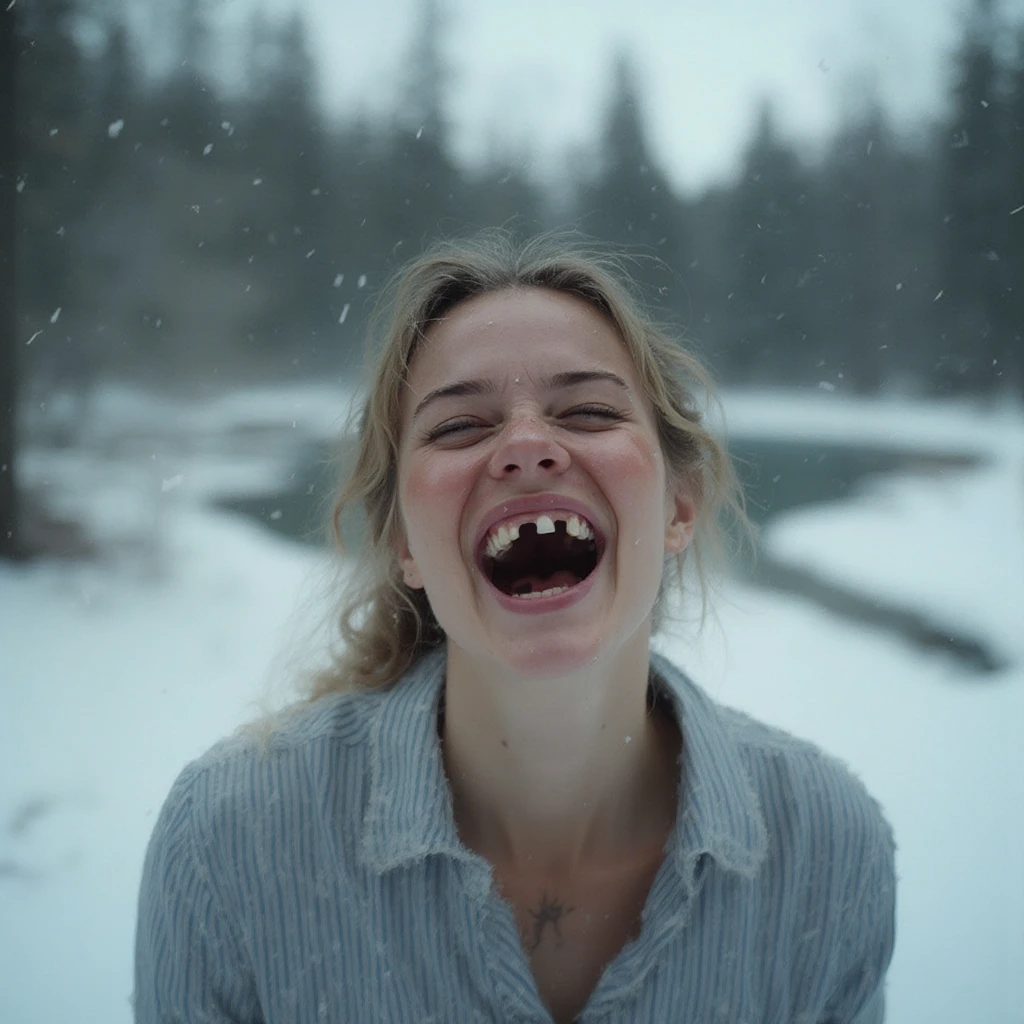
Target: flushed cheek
{"x": 432, "y": 497}
{"x": 635, "y": 481}
{"x": 635, "y": 471}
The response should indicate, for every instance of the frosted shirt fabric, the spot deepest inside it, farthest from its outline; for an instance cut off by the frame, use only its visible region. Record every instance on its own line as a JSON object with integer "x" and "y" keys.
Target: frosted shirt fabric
{"x": 321, "y": 878}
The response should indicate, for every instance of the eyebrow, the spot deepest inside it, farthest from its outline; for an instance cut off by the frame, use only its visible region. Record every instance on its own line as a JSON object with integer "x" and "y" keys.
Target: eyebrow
{"x": 556, "y": 382}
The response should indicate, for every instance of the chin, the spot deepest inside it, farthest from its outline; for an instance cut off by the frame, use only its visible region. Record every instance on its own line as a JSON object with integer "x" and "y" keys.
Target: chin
{"x": 571, "y": 640}
{"x": 544, "y": 661}
{"x": 560, "y": 652}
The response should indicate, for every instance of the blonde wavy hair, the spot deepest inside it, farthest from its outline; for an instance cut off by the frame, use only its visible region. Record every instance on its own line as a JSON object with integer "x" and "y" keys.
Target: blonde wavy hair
{"x": 383, "y": 625}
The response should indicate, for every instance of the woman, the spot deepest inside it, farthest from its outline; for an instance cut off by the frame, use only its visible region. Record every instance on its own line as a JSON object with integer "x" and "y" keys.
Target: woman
{"x": 499, "y": 805}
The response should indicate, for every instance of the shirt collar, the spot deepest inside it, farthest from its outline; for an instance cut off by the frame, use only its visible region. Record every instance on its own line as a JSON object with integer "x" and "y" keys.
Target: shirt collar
{"x": 719, "y": 812}
{"x": 409, "y": 812}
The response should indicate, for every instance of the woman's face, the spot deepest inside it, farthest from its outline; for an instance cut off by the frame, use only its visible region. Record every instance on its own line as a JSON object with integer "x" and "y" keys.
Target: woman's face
{"x": 534, "y": 503}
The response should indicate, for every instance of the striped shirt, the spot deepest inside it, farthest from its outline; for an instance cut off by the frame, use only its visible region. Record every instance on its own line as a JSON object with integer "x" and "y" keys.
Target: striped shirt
{"x": 320, "y": 877}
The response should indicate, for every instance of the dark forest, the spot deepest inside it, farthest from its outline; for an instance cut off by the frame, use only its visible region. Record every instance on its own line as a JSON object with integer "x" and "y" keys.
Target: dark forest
{"x": 176, "y": 235}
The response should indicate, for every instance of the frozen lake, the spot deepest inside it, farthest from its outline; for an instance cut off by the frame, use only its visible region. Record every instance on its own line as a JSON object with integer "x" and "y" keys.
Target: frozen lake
{"x": 779, "y": 475}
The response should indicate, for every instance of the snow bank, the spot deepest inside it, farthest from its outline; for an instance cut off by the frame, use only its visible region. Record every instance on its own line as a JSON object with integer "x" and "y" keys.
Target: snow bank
{"x": 112, "y": 675}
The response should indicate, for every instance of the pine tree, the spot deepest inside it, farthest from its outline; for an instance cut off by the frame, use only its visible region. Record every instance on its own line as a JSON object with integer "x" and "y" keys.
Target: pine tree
{"x": 188, "y": 103}
{"x": 10, "y": 520}
{"x": 630, "y": 202}
{"x": 857, "y": 271}
{"x": 420, "y": 195}
{"x": 119, "y": 87}
{"x": 291, "y": 218}
{"x": 51, "y": 111}
{"x": 105, "y": 250}
{"x": 776, "y": 262}
{"x": 1015, "y": 194}
{"x": 422, "y": 104}
{"x": 875, "y": 204}
{"x": 972, "y": 326}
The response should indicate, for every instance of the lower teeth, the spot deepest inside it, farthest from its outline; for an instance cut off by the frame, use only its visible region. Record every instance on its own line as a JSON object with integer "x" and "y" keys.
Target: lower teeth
{"x": 544, "y": 593}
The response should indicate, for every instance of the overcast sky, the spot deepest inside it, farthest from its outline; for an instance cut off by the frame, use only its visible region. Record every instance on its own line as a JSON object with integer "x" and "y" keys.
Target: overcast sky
{"x": 533, "y": 74}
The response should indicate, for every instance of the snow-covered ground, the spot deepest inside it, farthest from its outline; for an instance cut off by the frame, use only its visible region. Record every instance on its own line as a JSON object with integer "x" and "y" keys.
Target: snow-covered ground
{"x": 113, "y": 674}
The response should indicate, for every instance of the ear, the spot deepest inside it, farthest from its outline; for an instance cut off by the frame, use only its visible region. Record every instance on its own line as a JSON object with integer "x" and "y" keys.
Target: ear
{"x": 410, "y": 571}
{"x": 680, "y": 521}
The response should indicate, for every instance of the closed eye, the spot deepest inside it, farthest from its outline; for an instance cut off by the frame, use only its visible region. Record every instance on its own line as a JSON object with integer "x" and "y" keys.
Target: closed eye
{"x": 453, "y": 430}
{"x": 465, "y": 428}
{"x": 595, "y": 414}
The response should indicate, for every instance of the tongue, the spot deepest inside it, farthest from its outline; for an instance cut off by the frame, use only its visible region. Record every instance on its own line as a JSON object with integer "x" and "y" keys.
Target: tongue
{"x": 534, "y": 584}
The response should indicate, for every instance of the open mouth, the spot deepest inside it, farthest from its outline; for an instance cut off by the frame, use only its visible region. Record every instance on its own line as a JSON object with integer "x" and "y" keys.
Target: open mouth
{"x": 540, "y": 557}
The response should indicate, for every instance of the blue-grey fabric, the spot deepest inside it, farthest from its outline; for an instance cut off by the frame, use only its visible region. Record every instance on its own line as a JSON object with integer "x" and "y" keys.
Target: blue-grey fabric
{"x": 319, "y": 877}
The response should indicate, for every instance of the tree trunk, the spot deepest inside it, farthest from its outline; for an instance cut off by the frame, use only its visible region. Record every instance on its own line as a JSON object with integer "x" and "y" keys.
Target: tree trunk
{"x": 10, "y": 537}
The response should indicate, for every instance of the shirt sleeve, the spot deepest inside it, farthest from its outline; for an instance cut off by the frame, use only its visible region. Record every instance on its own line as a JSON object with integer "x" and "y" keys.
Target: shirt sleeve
{"x": 859, "y": 997}
{"x": 190, "y": 964}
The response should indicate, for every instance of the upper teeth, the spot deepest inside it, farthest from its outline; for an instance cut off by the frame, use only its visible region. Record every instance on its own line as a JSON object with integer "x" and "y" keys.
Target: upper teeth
{"x": 501, "y": 536}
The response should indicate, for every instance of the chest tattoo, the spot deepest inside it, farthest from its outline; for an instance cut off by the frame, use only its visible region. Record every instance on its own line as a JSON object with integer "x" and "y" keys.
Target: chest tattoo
{"x": 551, "y": 913}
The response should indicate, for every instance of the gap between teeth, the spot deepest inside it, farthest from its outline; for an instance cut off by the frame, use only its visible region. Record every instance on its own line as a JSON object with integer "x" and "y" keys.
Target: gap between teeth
{"x": 501, "y": 540}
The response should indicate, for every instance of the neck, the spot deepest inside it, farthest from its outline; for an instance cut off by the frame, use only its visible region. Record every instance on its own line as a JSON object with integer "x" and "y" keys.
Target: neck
{"x": 552, "y": 773}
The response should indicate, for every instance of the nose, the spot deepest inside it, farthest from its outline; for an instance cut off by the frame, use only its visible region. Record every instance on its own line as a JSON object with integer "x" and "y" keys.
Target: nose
{"x": 528, "y": 447}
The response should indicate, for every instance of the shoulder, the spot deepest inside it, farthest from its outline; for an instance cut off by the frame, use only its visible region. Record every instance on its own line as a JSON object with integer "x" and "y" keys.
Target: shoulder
{"x": 828, "y": 878}
{"x": 812, "y": 797}
{"x": 818, "y": 815}
{"x": 829, "y": 836}
{"x": 275, "y": 769}
{"x": 241, "y": 842}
